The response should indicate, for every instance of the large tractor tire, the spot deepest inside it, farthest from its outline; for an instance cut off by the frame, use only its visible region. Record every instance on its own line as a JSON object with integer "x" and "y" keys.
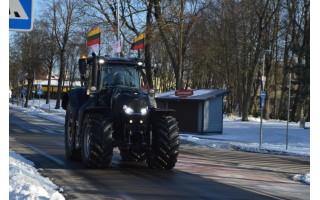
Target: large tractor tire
{"x": 96, "y": 141}
{"x": 165, "y": 143}
{"x": 69, "y": 135}
{"x": 133, "y": 155}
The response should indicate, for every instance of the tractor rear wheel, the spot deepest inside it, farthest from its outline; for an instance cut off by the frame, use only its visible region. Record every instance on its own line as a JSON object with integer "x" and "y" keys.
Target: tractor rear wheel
{"x": 96, "y": 141}
{"x": 165, "y": 143}
{"x": 69, "y": 135}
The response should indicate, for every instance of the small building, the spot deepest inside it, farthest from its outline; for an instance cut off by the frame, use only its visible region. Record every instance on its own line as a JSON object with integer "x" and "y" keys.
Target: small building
{"x": 202, "y": 112}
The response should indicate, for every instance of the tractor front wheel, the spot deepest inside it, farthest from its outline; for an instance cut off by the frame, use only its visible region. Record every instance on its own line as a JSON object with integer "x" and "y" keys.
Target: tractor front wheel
{"x": 165, "y": 143}
{"x": 96, "y": 141}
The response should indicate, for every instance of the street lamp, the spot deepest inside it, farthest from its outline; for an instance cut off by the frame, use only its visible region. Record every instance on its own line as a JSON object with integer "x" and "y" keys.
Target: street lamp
{"x": 263, "y": 93}
{"x": 288, "y": 113}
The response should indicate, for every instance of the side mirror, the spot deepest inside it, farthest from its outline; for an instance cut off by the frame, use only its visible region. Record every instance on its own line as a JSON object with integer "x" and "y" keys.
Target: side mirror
{"x": 82, "y": 66}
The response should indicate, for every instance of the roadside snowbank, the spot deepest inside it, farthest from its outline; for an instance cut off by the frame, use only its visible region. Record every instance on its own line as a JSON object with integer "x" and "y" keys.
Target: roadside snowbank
{"x": 25, "y": 182}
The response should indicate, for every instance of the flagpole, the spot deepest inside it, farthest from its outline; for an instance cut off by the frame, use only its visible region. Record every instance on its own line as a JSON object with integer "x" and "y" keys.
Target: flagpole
{"x": 99, "y": 46}
{"x": 100, "y": 41}
{"x": 118, "y": 26}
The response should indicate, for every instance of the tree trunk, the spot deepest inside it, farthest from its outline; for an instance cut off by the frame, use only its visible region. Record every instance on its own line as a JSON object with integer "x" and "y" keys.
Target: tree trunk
{"x": 28, "y": 92}
{"x": 49, "y": 86}
{"x": 148, "y": 54}
{"x": 247, "y": 97}
{"x": 266, "y": 114}
{"x": 61, "y": 77}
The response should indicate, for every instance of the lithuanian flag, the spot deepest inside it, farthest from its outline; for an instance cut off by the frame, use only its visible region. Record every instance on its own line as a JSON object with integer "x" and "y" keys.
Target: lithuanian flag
{"x": 138, "y": 43}
{"x": 94, "y": 37}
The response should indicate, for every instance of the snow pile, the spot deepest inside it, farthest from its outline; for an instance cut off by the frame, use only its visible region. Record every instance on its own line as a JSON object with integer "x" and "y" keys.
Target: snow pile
{"x": 26, "y": 183}
{"x": 305, "y": 178}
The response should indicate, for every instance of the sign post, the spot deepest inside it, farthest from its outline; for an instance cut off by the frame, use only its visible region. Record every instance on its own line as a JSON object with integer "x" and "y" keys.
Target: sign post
{"x": 263, "y": 96}
{"x": 263, "y": 93}
{"x": 39, "y": 92}
{"x": 23, "y": 91}
{"x": 288, "y": 113}
{"x": 33, "y": 95}
{"x": 21, "y": 15}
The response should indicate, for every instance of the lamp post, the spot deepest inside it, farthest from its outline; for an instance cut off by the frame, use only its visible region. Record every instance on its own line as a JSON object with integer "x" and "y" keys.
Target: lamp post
{"x": 263, "y": 93}
{"x": 288, "y": 113}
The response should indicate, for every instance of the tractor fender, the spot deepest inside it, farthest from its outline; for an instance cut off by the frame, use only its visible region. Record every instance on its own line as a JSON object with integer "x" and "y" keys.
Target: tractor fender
{"x": 89, "y": 107}
{"x": 76, "y": 97}
{"x": 156, "y": 112}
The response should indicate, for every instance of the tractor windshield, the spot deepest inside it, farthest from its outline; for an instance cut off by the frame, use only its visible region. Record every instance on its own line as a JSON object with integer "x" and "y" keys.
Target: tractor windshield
{"x": 120, "y": 75}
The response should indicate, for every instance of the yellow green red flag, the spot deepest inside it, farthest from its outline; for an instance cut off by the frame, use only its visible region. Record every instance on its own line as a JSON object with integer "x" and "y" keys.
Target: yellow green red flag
{"x": 138, "y": 43}
{"x": 94, "y": 37}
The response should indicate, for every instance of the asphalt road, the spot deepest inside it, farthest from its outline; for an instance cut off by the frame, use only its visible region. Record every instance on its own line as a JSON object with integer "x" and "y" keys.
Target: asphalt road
{"x": 200, "y": 173}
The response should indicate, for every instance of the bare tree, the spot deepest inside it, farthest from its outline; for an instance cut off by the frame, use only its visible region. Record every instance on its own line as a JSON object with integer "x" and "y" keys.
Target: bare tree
{"x": 49, "y": 55}
{"x": 175, "y": 26}
{"x": 299, "y": 15}
{"x": 72, "y": 72}
{"x": 16, "y": 74}
{"x": 134, "y": 18}
{"x": 29, "y": 46}
{"x": 64, "y": 17}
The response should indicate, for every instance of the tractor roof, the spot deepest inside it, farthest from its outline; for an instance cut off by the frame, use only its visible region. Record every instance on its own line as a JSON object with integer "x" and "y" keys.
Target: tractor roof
{"x": 132, "y": 61}
{"x": 117, "y": 60}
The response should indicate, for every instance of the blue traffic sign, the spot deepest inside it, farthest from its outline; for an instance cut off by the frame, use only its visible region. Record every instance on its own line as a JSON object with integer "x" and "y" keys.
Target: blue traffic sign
{"x": 263, "y": 94}
{"x": 262, "y": 103}
{"x": 39, "y": 92}
{"x": 20, "y": 15}
{"x": 23, "y": 91}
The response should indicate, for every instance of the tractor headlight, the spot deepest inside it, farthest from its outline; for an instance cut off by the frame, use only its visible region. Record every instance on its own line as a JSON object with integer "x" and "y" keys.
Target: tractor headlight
{"x": 93, "y": 88}
{"x": 101, "y": 61}
{"x": 127, "y": 110}
{"x": 139, "y": 63}
{"x": 144, "y": 111}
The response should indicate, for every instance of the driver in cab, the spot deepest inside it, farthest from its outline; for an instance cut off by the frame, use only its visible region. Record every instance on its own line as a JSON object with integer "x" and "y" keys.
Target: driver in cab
{"x": 114, "y": 78}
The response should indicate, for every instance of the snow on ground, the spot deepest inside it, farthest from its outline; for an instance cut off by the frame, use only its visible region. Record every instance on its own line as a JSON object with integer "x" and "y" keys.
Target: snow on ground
{"x": 245, "y": 136}
{"x": 26, "y": 183}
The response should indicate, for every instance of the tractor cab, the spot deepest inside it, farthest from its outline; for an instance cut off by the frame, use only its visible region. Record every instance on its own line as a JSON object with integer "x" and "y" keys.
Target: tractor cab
{"x": 100, "y": 73}
{"x": 120, "y": 75}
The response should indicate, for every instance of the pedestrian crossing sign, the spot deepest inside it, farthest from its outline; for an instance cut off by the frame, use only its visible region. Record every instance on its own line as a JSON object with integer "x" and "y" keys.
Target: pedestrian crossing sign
{"x": 20, "y": 15}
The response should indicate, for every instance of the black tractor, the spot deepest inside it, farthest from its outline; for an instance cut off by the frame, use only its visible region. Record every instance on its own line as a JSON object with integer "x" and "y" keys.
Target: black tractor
{"x": 114, "y": 110}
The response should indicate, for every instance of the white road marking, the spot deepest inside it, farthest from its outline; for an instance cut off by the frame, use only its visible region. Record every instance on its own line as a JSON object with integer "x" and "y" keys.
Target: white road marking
{"x": 34, "y": 130}
{"x": 59, "y": 162}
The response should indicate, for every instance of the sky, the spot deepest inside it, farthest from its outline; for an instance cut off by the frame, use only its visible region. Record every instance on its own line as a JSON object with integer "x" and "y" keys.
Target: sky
{"x": 26, "y": 182}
